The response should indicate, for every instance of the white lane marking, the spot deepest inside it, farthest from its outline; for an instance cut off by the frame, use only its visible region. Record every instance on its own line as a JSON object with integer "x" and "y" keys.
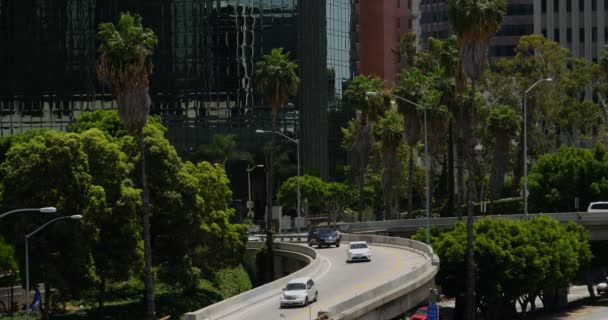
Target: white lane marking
{"x": 262, "y": 303}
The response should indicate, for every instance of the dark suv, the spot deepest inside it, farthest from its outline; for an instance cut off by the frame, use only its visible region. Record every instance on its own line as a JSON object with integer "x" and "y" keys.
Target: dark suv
{"x": 323, "y": 237}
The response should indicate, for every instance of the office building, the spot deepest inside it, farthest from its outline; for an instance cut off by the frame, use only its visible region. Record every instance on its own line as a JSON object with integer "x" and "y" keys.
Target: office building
{"x": 380, "y": 25}
{"x": 203, "y": 82}
{"x": 579, "y": 25}
{"x": 518, "y": 21}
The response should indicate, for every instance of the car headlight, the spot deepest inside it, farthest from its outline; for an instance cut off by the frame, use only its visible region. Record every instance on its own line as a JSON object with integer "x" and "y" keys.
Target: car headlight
{"x": 602, "y": 285}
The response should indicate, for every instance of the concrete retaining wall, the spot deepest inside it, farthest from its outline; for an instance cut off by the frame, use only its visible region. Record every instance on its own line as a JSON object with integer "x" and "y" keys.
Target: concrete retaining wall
{"x": 246, "y": 299}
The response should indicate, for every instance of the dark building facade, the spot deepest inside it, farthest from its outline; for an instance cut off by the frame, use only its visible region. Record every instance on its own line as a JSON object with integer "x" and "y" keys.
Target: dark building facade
{"x": 518, "y": 21}
{"x": 203, "y": 82}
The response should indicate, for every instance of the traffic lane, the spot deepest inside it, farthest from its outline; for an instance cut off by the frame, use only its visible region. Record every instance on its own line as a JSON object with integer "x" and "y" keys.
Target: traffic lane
{"x": 341, "y": 281}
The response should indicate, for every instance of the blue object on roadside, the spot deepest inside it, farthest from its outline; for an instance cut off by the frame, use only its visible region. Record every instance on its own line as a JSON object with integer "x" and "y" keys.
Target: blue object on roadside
{"x": 37, "y": 303}
{"x": 432, "y": 312}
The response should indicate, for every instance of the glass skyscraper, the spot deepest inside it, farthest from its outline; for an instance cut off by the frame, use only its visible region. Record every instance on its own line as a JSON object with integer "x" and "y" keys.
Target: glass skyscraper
{"x": 203, "y": 80}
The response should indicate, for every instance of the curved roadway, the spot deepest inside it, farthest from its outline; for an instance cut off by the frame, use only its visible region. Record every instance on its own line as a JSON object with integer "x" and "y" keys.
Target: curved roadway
{"x": 339, "y": 281}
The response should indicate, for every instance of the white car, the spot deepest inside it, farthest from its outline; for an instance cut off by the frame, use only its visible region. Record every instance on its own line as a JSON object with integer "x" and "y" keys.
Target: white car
{"x": 299, "y": 292}
{"x": 599, "y": 207}
{"x": 358, "y": 250}
{"x": 602, "y": 288}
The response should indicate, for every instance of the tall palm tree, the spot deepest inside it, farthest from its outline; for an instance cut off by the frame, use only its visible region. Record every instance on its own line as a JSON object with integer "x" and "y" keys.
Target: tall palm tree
{"x": 502, "y": 125}
{"x": 452, "y": 83}
{"x": 412, "y": 85}
{"x": 369, "y": 107}
{"x": 389, "y": 132}
{"x": 277, "y": 80}
{"x": 125, "y": 64}
{"x": 474, "y": 22}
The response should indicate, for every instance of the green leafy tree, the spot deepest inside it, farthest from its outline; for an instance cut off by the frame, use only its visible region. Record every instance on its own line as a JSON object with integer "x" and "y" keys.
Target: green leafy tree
{"x": 125, "y": 64}
{"x": 474, "y": 22}
{"x": 60, "y": 253}
{"x": 8, "y": 269}
{"x": 556, "y": 179}
{"x": 502, "y": 126}
{"x": 117, "y": 248}
{"x": 368, "y": 107}
{"x": 339, "y": 198}
{"x": 312, "y": 188}
{"x": 389, "y": 132}
{"x": 516, "y": 261}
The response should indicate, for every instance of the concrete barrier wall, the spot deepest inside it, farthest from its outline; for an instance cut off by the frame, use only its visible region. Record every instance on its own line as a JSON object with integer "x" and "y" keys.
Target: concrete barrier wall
{"x": 391, "y": 290}
{"x": 246, "y": 299}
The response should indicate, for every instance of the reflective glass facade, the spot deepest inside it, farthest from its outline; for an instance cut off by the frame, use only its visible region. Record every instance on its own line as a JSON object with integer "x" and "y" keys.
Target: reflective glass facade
{"x": 203, "y": 80}
{"x": 339, "y": 43}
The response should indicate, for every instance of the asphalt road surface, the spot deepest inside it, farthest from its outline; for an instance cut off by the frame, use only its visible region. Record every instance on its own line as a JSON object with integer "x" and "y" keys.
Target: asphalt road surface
{"x": 339, "y": 281}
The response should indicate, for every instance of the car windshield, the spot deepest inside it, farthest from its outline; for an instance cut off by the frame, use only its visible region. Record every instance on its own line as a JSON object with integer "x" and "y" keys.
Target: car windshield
{"x": 295, "y": 286}
{"x": 325, "y": 232}
{"x": 421, "y": 311}
{"x": 358, "y": 246}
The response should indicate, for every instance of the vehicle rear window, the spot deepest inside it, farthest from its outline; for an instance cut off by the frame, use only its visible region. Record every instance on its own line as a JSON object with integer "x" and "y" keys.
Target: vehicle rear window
{"x": 296, "y": 286}
{"x": 600, "y": 206}
{"x": 358, "y": 246}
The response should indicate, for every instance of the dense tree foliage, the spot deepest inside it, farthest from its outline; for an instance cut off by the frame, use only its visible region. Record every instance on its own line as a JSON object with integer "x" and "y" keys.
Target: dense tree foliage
{"x": 557, "y": 179}
{"x": 91, "y": 172}
{"x": 516, "y": 261}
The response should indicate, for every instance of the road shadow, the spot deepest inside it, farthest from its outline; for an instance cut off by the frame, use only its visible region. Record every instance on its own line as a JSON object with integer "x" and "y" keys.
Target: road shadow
{"x": 575, "y": 309}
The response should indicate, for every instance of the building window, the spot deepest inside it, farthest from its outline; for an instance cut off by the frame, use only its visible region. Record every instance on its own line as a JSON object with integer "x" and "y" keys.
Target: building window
{"x": 409, "y": 24}
{"x": 544, "y": 31}
{"x": 594, "y": 5}
{"x": 581, "y": 5}
{"x": 581, "y": 34}
{"x": 556, "y": 35}
{"x": 398, "y": 23}
{"x": 569, "y": 35}
{"x": 605, "y": 33}
{"x": 594, "y": 34}
{"x": 544, "y": 5}
{"x": 569, "y": 5}
{"x": 398, "y": 3}
{"x": 409, "y": 4}
{"x": 555, "y": 5}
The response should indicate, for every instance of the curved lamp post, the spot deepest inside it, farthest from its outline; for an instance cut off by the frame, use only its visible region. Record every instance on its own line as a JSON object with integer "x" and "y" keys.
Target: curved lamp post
{"x": 426, "y": 158}
{"x": 525, "y": 192}
{"x": 297, "y": 142}
{"x": 27, "y": 259}
{"x": 42, "y": 210}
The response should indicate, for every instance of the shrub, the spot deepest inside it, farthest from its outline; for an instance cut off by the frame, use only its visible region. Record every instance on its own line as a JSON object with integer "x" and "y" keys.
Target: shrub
{"x": 232, "y": 281}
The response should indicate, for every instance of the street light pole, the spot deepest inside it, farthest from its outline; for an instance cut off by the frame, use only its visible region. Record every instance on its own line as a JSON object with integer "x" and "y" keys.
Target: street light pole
{"x": 42, "y": 210}
{"x": 525, "y": 191}
{"x": 250, "y": 202}
{"x": 297, "y": 142}
{"x": 427, "y": 164}
{"x": 27, "y": 259}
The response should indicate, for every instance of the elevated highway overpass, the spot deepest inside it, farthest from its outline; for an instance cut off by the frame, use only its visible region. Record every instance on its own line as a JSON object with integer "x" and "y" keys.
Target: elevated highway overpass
{"x": 596, "y": 223}
{"x": 397, "y": 279}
